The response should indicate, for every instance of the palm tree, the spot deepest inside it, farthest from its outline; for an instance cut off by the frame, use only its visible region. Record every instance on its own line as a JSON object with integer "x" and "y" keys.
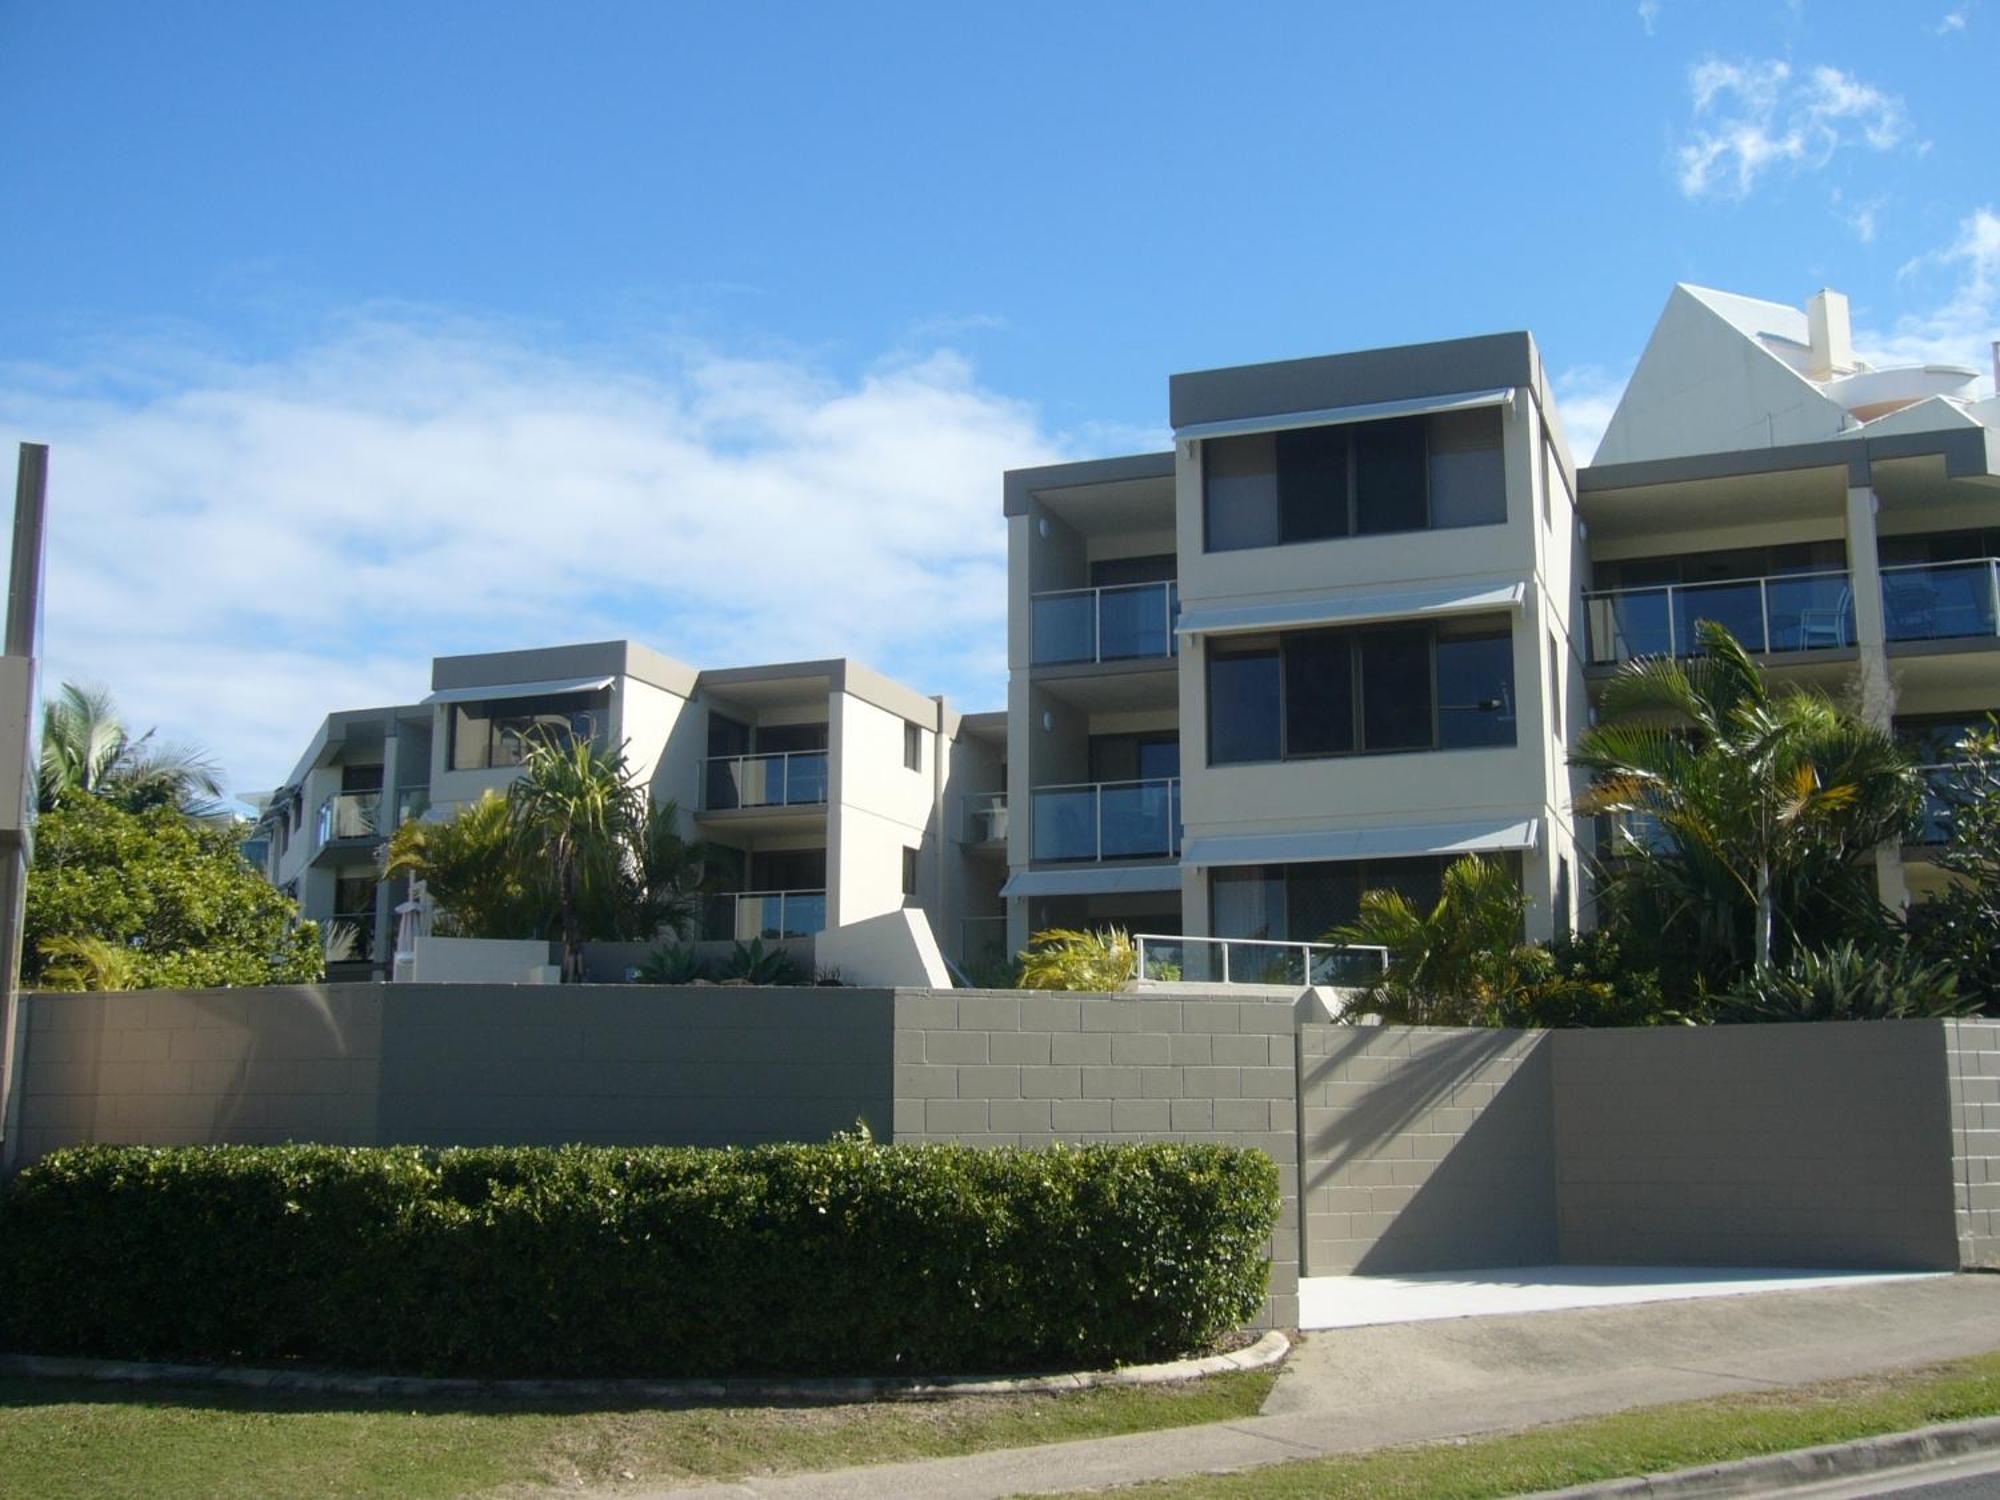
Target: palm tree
{"x": 578, "y": 815}
{"x": 668, "y": 879}
{"x": 472, "y": 867}
{"x": 1765, "y": 801}
{"x": 86, "y": 749}
{"x": 1455, "y": 964}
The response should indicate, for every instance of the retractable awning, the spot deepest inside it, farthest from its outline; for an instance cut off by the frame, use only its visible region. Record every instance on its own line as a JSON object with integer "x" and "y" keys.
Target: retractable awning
{"x": 1372, "y": 411}
{"x": 1399, "y": 842}
{"x": 1476, "y": 596}
{"x": 1093, "y": 880}
{"x": 499, "y": 692}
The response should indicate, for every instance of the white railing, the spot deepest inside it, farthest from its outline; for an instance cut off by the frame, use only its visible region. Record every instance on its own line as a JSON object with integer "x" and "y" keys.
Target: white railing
{"x": 1113, "y": 622}
{"x": 743, "y": 915}
{"x": 788, "y": 778}
{"x": 986, "y": 818}
{"x": 1209, "y": 960}
{"x": 1777, "y": 612}
{"x": 1097, "y": 820}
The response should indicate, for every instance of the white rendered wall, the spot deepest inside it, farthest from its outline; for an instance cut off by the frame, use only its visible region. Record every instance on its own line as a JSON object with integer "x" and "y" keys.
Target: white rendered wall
{"x": 879, "y": 808}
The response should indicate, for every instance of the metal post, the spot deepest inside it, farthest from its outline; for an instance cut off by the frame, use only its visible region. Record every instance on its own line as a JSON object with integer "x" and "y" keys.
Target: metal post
{"x": 1673, "y": 646}
{"x": 1097, "y": 817}
{"x": 1225, "y": 960}
{"x": 1993, "y": 591}
{"x": 1097, "y": 625}
{"x": 17, "y": 744}
{"x": 1764, "y": 604}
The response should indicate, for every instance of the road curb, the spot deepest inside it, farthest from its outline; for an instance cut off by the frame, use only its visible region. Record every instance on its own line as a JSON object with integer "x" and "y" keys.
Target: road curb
{"x": 1269, "y": 1350}
{"x": 1802, "y": 1466}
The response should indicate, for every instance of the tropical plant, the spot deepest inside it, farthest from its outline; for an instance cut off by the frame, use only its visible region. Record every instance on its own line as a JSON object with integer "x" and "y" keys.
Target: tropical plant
{"x": 1588, "y": 979}
{"x": 1454, "y": 964}
{"x": 1960, "y": 925}
{"x": 87, "y": 750}
{"x": 1765, "y": 803}
{"x": 80, "y": 962}
{"x": 1062, "y": 958}
{"x": 753, "y": 963}
{"x": 472, "y": 866}
{"x": 1846, "y": 983}
{"x": 665, "y": 879}
{"x": 343, "y": 942}
{"x": 671, "y": 964}
{"x": 173, "y": 896}
{"x": 577, "y": 813}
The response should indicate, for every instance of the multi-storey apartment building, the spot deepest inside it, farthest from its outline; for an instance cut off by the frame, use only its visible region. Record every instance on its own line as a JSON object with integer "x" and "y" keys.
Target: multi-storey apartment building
{"x": 1322, "y": 645}
{"x": 823, "y": 790}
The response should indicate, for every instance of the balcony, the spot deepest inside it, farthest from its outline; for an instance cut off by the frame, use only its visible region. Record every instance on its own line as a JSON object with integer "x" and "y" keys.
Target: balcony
{"x": 1782, "y": 612}
{"x": 741, "y": 916}
{"x": 794, "y": 778}
{"x": 1108, "y": 820}
{"x": 349, "y": 815}
{"x": 985, "y": 818}
{"x": 1198, "y": 960}
{"x": 1941, "y": 601}
{"x": 1125, "y": 622}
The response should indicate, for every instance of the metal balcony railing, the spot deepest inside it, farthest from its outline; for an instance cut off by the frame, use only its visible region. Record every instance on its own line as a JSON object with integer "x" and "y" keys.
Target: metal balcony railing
{"x": 1209, "y": 960}
{"x": 1941, "y": 601}
{"x": 1780, "y": 612}
{"x": 1121, "y": 622}
{"x": 349, "y": 815}
{"x": 743, "y": 915}
{"x": 791, "y": 778}
{"x": 1108, "y": 820}
{"x": 986, "y": 818}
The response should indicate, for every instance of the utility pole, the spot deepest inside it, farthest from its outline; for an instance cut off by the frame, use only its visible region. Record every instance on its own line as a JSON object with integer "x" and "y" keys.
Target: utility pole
{"x": 17, "y": 771}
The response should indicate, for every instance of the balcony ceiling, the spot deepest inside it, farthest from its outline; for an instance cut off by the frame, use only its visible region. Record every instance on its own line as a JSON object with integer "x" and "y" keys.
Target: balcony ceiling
{"x": 1920, "y": 484}
{"x": 1117, "y": 689}
{"x": 1667, "y": 510}
{"x": 1104, "y": 509}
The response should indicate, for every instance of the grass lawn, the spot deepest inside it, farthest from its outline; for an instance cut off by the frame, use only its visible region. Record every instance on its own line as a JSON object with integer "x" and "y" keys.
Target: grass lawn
{"x": 1649, "y": 1440}
{"x": 62, "y": 1439}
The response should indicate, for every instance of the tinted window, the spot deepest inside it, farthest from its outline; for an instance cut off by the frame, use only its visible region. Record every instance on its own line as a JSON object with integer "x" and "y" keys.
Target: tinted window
{"x": 1396, "y": 689}
{"x": 1242, "y": 705}
{"x": 1312, "y": 484}
{"x": 1475, "y": 689}
{"x": 1319, "y": 693}
{"x": 1389, "y": 477}
{"x": 1248, "y": 902}
{"x": 1468, "y": 479}
{"x": 1240, "y": 492}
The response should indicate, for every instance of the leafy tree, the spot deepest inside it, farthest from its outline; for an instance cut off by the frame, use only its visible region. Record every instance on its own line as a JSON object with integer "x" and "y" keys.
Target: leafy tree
{"x": 175, "y": 897}
{"x": 86, "y": 749}
{"x": 1960, "y": 926}
{"x": 1766, "y": 803}
{"x": 1064, "y": 959}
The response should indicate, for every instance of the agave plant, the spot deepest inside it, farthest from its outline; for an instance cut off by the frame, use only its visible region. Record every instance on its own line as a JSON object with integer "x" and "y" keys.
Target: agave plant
{"x": 1062, "y": 958}
{"x": 757, "y": 964}
{"x": 671, "y": 964}
{"x": 1847, "y": 983}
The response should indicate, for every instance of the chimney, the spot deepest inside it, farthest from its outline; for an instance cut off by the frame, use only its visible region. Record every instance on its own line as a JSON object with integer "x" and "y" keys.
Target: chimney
{"x": 1832, "y": 337}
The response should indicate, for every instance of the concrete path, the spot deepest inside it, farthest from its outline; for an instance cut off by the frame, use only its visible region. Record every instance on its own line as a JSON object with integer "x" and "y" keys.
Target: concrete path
{"x": 1359, "y": 1388}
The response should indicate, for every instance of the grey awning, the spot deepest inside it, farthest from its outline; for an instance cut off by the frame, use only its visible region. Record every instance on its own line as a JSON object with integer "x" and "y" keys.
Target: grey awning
{"x": 1475, "y": 596}
{"x": 1401, "y": 841}
{"x": 502, "y": 691}
{"x": 1372, "y": 411}
{"x": 1093, "y": 880}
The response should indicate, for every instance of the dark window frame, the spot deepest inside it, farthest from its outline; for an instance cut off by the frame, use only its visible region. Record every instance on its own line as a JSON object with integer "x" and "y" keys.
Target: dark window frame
{"x": 488, "y": 712}
{"x": 913, "y": 746}
{"x": 909, "y": 871}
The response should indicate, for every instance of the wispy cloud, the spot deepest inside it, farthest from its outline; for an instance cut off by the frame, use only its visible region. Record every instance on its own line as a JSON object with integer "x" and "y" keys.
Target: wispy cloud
{"x": 1751, "y": 117}
{"x": 1649, "y": 15}
{"x": 237, "y": 547}
{"x": 1587, "y": 395}
{"x": 1953, "y": 20}
{"x": 1959, "y": 329}
{"x": 1863, "y": 216}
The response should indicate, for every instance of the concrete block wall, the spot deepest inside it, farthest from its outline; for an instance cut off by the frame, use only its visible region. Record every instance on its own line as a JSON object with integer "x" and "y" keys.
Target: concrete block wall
{"x": 1006, "y": 1068}
{"x": 1425, "y": 1149}
{"x": 1826, "y": 1145}
{"x": 1972, "y": 1066}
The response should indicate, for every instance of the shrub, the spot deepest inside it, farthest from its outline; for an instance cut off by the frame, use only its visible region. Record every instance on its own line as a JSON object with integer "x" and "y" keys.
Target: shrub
{"x": 1063, "y": 959}
{"x": 843, "y": 1258}
{"x": 760, "y": 965}
{"x": 1846, "y": 983}
{"x": 671, "y": 964}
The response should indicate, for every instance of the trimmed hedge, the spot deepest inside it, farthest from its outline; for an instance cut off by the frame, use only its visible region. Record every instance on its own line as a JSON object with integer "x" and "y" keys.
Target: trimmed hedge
{"x": 843, "y": 1258}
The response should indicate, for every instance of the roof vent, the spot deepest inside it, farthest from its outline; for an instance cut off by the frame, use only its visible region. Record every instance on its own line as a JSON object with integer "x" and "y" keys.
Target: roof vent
{"x": 1832, "y": 337}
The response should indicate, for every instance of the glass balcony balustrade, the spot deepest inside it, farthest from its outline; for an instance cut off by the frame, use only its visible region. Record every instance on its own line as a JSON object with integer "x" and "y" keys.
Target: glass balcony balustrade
{"x": 1941, "y": 601}
{"x": 1210, "y": 960}
{"x": 1125, "y": 622}
{"x": 1782, "y": 612}
{"x": 1108, "y": 820}
{"x": 793, "y": 778}
{"x": 350, "y": 815}
{"x": 741, "y": 916}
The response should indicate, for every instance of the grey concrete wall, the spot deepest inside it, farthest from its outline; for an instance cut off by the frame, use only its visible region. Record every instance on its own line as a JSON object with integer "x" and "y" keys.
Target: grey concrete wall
{"x": 1972, "y": 1068}
{"x": 1823, "y": 1145}
{"x": 455, "y": 1065}
{"x": 1425, "y": 1149}
{"x": 1003, "y": 1068}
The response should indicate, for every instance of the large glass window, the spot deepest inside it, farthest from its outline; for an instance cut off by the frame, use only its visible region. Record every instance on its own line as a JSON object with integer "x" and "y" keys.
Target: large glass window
{"x": 1302, "y": 903}
{"x": 498, "y": 732}
{"x": 1355, "y": 479}
{"x": 1369, "y": 690}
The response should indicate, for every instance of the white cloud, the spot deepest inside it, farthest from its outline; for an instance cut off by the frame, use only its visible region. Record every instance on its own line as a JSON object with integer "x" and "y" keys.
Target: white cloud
{"x": 1959, "y": 329}
{"x": 1649, "y": 14}
{"x": 237, "y": 547}
{"x": 1586, "y": 395}
{"x": 1953, "y": 20}
{"x": 1862, "y": 216}
{"x": 1753, "y": 116}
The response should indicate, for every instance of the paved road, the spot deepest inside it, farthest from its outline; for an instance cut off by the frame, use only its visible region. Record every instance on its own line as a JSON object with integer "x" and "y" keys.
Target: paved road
{"x": 1361, "y": 1388}
{"x": 1973, "y": 1477}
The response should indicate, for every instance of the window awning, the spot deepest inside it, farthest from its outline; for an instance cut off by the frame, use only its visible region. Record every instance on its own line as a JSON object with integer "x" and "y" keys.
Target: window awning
{"x": 1093, "y": 880}
{"x": 1372, "y": 411}
{"x": 1473, "y": 597}
{"x": 501, "y": 692}
{"x": 1400, "y": 842}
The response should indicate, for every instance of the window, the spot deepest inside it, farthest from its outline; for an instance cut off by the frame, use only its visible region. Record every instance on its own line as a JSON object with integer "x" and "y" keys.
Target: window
{"x": 1361, "y": 479}
{"x": 1559, "y": 721}
{"x": 490, "y": 735}
{"x": 909, "y": 872}
{"x": 1372, "y": 690}
{"x": 1302, "y": 903}
{"x": 913, "y": 747}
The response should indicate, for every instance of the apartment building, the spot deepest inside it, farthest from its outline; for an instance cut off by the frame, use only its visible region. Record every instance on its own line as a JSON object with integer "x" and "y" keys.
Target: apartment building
{"x": 1321, "y": 645}
{"x": 824, "y": 790}
{"x": 1843, "y": 521}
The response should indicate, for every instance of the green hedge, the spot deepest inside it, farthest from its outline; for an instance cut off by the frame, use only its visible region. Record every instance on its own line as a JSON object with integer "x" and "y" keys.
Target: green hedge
{"x": 844, "y": 1258}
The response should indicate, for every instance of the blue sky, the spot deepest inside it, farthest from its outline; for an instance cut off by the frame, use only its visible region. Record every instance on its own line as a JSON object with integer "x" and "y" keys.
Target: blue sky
{"x": 364, "y": 332}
